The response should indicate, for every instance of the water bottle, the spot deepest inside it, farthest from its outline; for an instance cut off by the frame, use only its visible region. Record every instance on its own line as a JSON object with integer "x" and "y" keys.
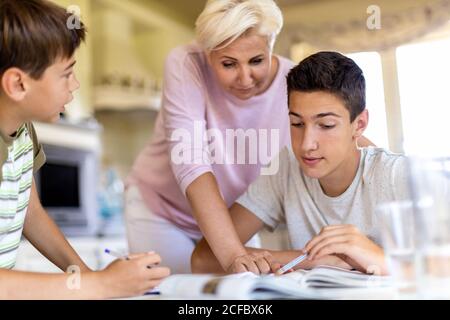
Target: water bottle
{"x": 111, "y": 199}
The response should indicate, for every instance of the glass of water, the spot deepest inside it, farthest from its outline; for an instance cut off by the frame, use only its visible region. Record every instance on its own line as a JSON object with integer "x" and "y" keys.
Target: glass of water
{"x": 431, "y": 190}
{"x": 398, "y": 234}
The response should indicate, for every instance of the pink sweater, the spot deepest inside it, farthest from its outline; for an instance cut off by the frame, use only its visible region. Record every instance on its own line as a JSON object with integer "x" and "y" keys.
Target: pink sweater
{"x": 194, "y": 101}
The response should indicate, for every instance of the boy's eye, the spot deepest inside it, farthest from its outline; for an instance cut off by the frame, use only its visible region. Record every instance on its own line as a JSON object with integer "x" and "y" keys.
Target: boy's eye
{"x": 327, "y": 126}
{"x": 68, "y": 75}
{"x": 298, "y": 125}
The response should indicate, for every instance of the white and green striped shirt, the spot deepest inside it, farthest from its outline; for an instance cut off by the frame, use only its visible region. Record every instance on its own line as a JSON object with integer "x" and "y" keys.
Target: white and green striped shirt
{"x": 16, "y": 177}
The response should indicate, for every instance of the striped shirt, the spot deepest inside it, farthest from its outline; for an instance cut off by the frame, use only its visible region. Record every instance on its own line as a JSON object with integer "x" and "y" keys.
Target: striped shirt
{"x": 19, "y": 155}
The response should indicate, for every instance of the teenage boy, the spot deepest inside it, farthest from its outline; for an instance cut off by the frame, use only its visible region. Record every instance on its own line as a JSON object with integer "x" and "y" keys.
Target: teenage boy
{"x": 36, "y": 82}
{"x": 327, "y": 188}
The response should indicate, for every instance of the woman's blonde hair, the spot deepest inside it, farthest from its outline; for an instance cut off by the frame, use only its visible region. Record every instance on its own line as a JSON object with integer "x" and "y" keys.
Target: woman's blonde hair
{"x": 223, "y": 21}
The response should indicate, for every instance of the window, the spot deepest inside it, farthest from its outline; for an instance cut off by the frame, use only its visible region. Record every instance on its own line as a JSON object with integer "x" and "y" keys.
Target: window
{"x": 370, "y": 63}
{"x": 424, "y": 78}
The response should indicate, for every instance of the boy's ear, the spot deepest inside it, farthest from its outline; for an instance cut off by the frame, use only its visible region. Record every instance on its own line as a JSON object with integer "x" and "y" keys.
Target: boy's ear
{"x": 13, "y": 84}
{"x": 360, "y": 124}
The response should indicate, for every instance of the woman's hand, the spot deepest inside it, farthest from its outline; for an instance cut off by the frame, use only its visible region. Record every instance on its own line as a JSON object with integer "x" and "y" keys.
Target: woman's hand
{"x": 349, "y": 244}
{"x": 256, "y": 262}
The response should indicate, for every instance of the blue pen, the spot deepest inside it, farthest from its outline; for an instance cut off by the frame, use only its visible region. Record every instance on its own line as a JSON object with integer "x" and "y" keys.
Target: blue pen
{"x": 154, "y": 291}
{"x": 120, "y": 256}
{"x": 116, "y": 254}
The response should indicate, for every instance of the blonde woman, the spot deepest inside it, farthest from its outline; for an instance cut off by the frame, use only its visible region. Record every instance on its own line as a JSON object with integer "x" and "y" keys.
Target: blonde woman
{"x": 225, "y": 83}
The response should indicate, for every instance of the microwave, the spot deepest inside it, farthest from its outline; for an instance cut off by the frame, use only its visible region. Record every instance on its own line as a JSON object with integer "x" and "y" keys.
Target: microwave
{"x": 68, "y": 187}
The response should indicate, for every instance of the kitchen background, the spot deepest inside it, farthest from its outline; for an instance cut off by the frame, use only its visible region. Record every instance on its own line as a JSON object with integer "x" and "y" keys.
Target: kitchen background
{"x": 403, "y": 47}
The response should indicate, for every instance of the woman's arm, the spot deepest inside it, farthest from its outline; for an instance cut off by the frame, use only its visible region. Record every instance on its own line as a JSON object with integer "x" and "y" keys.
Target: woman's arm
{"x": 184, "y": 110}
{"x": 244, "y": 225}
{"x": 213, "y": 218}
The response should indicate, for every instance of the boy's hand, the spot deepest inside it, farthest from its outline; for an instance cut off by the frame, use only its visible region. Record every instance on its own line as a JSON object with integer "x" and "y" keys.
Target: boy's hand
{"x": 347, "y": 242}
{"x": 133, "y": 277}
{"x": 256, "y": 262}
{"x": 327, "y": 260}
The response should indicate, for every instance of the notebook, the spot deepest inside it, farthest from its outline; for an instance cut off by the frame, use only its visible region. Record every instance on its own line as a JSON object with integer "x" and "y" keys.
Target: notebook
{"x": 323, "y": 282}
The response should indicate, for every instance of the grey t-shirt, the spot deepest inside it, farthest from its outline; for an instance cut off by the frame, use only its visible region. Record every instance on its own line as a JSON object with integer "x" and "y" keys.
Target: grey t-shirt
{"x": 291, "y": 197}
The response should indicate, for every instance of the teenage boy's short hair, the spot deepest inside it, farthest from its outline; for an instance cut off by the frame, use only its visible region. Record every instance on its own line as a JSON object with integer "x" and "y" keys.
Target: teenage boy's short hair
{"x": 334, "y": 73}
{"x": 34, "y": 34}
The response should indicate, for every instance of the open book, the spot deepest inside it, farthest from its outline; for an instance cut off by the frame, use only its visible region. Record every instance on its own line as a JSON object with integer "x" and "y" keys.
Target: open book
{"x": 323, "y": 282}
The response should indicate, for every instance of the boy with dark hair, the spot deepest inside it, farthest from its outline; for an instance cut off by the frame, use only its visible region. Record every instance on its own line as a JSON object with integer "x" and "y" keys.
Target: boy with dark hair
{"x": 327, "y": 188}
{"x": 36, "y": 81}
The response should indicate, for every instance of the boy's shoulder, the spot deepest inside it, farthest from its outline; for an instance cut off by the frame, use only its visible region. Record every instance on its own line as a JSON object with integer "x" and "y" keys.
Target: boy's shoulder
{"x": 381, "y": 156}
{"x": 24, "y": 135}
{"x": 7, "y": 142}
{"x": 381, "y": 165}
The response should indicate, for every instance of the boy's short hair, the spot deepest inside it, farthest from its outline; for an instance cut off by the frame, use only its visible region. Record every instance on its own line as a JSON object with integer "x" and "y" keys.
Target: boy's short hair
{"x": 334, "y": 73}
{"x": 34, "y": 34}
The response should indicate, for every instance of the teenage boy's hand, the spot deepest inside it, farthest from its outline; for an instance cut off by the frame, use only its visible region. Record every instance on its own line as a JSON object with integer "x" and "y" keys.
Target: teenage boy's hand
{"x": 326, "y": 260}
{"x": 256, "y": 262}
{"x": 347, "y": 242}
{"x": 135, "y": 276}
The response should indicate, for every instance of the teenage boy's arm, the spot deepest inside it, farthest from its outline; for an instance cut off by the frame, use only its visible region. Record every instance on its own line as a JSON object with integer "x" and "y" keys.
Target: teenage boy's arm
{"x": 350, "y": 244}
{"x": 46, "y": 237}
{"x": 257, "y": 260}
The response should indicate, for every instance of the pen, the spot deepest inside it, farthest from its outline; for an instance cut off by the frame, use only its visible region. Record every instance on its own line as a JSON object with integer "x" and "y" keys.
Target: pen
{"x": 116, "y": 254}
{"x": 292, "y": 264}
{"x": 154, "y": 291}
{"x": 120, "y": 256}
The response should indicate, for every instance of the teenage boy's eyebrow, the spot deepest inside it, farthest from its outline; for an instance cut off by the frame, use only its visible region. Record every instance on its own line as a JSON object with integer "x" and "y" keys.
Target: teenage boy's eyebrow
{"x": 70, "y": 66}
{"x": 317, "y": 116}
{"x": 323, "y": 115}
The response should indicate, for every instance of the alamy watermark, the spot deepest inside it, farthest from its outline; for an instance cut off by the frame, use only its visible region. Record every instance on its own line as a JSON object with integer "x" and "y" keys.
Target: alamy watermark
{"x": 74, "y": 21}
{"x": 374, "y": 20}
{"x": 73, "y": 282}
{"x": 234, "y": 146}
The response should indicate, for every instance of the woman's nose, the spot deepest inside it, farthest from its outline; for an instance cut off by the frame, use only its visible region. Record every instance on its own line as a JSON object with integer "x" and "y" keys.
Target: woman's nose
{"x": 245, "y": 77}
